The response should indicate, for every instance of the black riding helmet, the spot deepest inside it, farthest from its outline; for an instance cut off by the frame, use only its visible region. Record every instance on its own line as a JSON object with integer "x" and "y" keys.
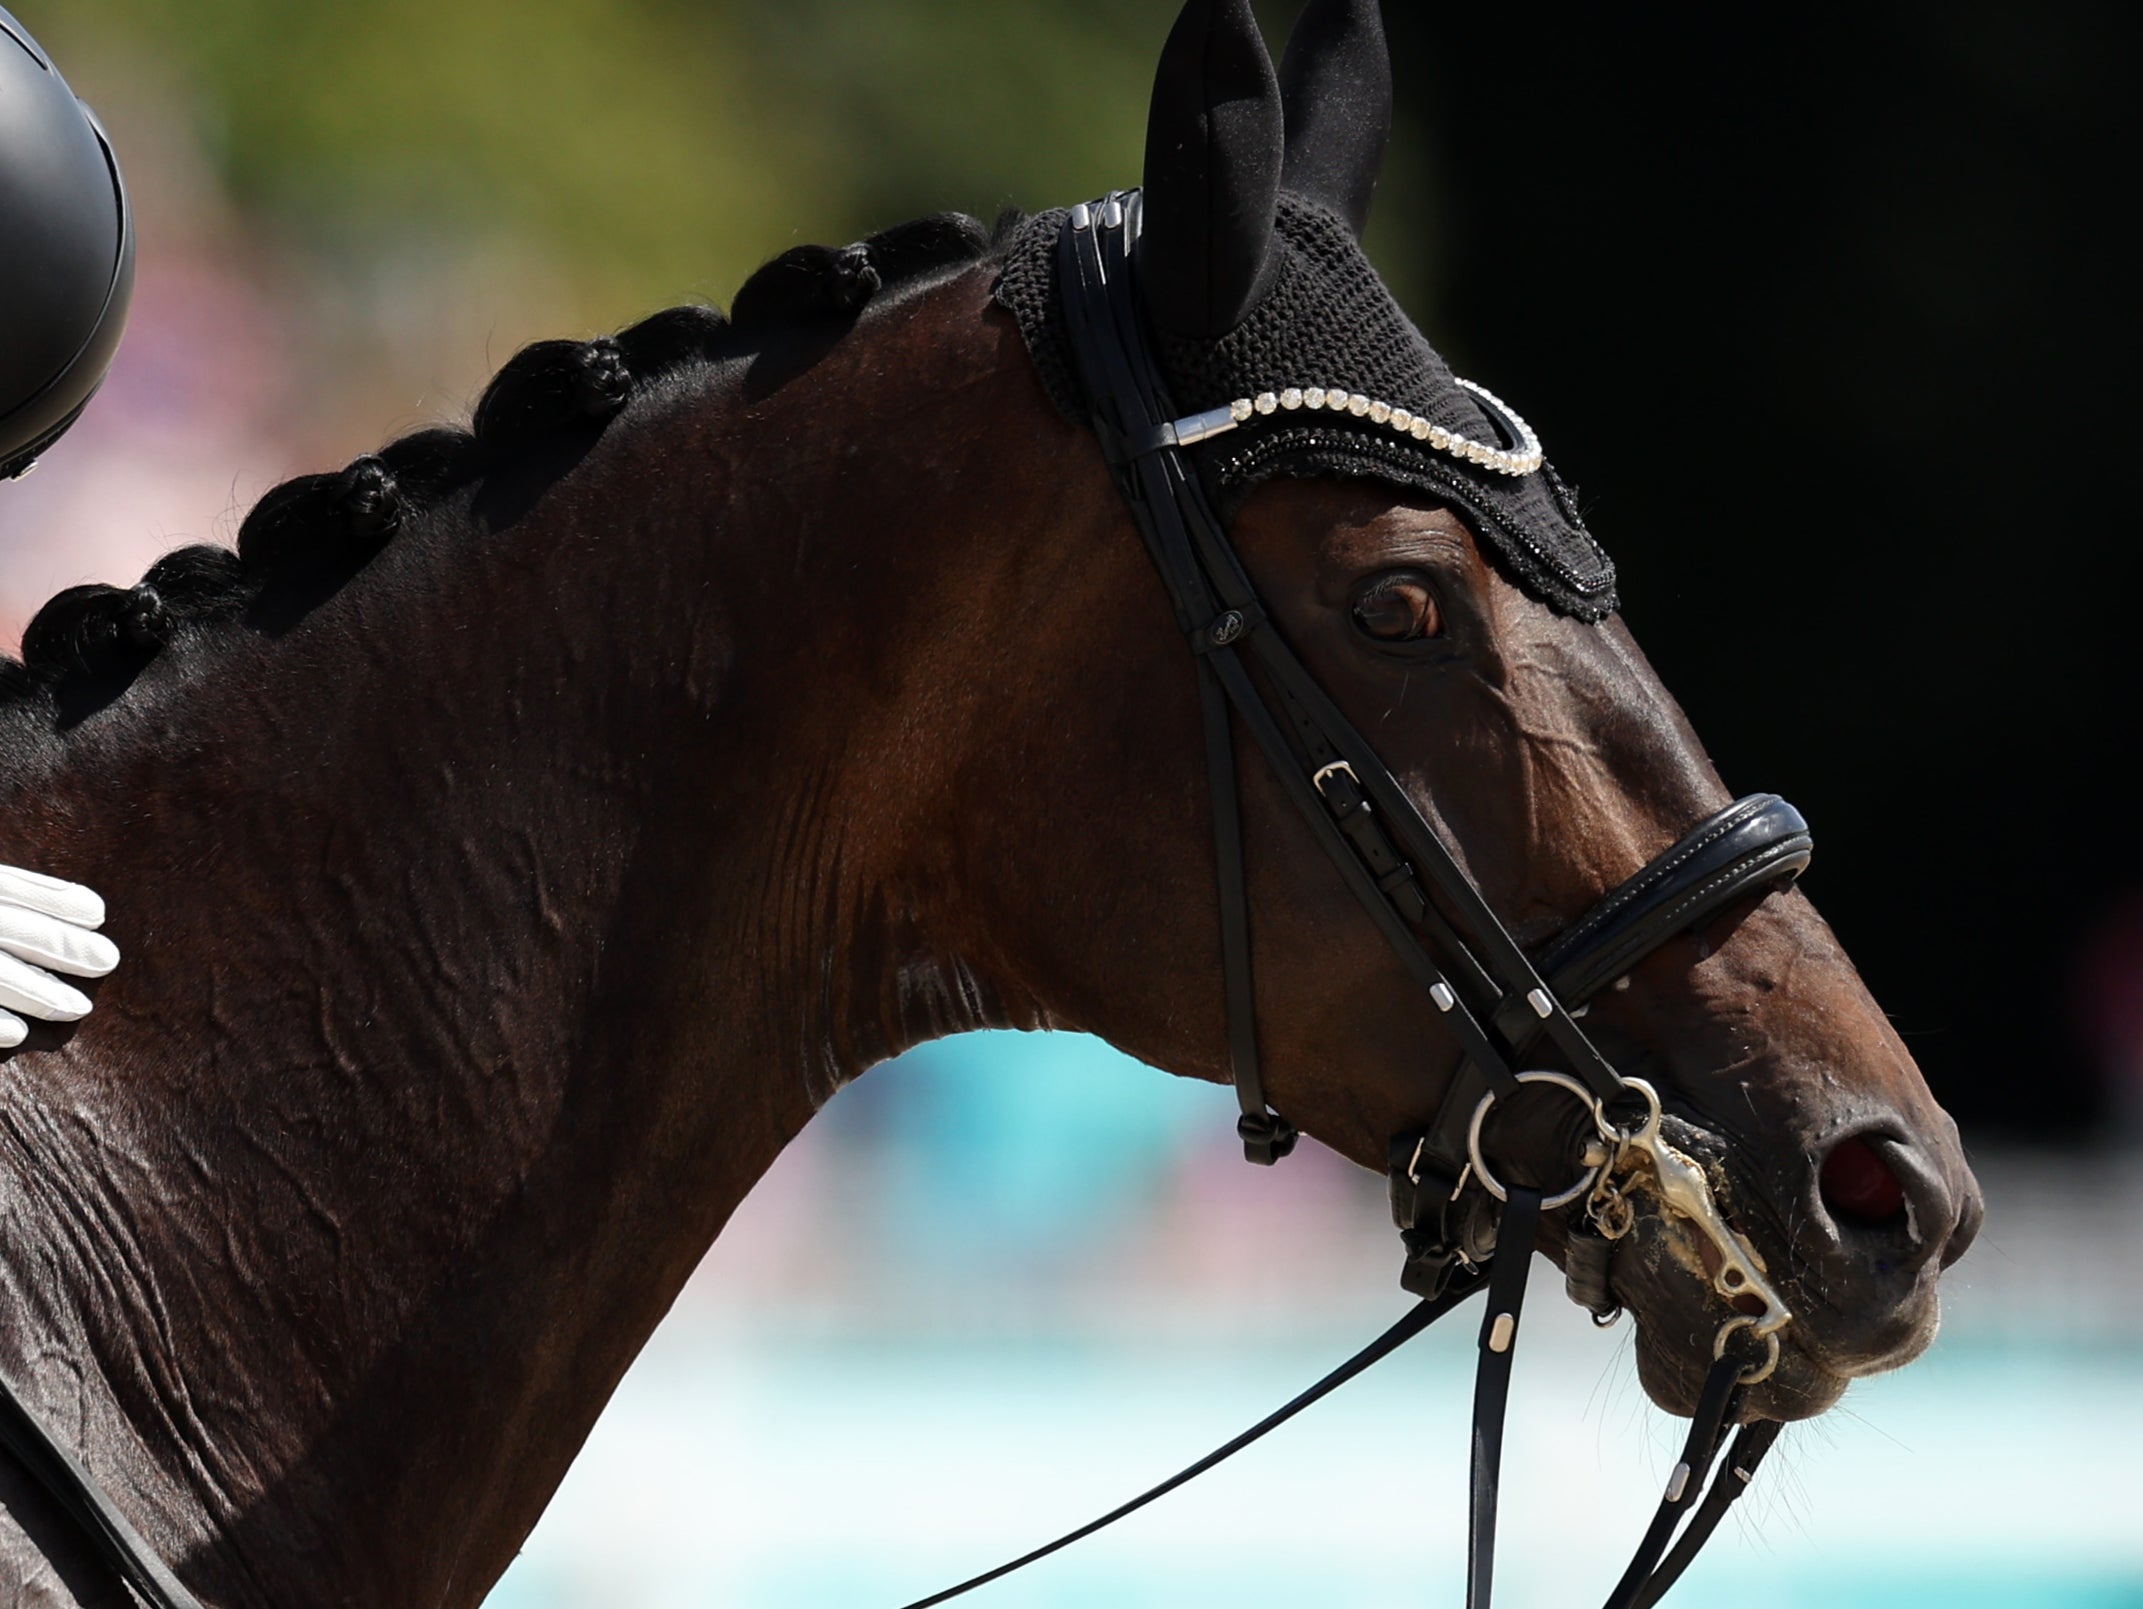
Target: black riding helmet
{"x": 66, "y": 252}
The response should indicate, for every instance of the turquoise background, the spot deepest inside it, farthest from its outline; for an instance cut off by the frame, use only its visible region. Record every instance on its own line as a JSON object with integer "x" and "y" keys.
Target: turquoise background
{"x": 1005, "y": 1283}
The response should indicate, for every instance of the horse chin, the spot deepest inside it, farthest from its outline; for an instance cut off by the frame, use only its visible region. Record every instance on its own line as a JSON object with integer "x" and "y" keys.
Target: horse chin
{"x": 1662, "y": 1278}
{"x": 1672, "y": 1372}
{"x": 1662, "y": 1274}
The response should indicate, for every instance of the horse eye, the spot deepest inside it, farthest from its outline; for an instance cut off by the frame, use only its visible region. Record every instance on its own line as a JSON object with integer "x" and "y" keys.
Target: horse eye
{"x": 1398, "y": 608}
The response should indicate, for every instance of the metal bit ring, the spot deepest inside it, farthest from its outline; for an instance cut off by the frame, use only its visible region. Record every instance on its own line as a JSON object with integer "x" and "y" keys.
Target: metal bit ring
{"x": 1615, "y": 1136}
{"x": 1490, "y": 1182}
{"x": 1756, "y": 1374}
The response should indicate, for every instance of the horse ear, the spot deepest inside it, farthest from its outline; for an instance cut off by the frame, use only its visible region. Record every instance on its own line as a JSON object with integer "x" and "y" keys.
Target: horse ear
{"x": 1213, "y": 152}
{"x": 1336, "y": 84}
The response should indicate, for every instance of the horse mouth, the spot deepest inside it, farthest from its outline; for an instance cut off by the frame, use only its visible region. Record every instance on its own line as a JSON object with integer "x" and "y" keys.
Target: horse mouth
{"x": 1663, "y": 1276}
{"x": 1807, "y": 1321}
{"x": 1672, "y": 1360}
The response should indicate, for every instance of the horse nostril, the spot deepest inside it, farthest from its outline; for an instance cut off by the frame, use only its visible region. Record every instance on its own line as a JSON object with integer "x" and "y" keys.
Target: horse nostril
{"x": 1969, "y": 1220}
{"x": 1858, "y": 1186}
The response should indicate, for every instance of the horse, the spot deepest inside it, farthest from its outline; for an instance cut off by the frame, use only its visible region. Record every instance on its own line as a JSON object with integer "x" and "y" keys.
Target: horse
{"x": 527, "y": 828}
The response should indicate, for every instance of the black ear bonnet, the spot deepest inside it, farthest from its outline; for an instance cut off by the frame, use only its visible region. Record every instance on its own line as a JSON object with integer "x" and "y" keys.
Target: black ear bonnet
{"x": 1334, "y": 371}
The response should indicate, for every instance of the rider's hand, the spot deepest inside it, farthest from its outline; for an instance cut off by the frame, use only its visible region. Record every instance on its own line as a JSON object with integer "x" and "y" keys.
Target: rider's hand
{"x": 46, "y": 927}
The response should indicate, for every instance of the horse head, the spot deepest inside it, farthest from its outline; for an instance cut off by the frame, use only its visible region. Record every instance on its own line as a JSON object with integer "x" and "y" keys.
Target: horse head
{"x": 1406, "y": 542}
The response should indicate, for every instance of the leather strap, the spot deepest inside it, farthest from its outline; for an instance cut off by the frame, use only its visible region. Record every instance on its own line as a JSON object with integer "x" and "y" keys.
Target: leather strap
{"x": 1715, "y": 1403}
{"x": 1126, "y": 402}
{"x": 1492, "y": 1385}
{"x": 1217, "y": 607}
{"x": 1759, "y": 842}
{"x": 57, "y": 1470}
{"x": 1750, "y": 1446}
{"x": 1646, "y": 1578}
{"x": 1266, "y": 1135}
{"x": 1414, "y": 1321}
{"x": 1399, "y": 867}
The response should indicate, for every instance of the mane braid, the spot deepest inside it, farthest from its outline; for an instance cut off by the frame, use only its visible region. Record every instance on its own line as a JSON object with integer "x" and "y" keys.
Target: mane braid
{"x": 308, "y": 536}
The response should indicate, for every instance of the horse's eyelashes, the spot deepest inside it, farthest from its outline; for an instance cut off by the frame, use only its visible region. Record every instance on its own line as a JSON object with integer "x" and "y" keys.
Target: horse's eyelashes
{"x": 1398, "y": 609}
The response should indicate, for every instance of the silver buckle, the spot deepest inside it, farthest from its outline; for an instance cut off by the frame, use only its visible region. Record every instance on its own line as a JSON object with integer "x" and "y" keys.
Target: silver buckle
{"x": 1336, "y": 767}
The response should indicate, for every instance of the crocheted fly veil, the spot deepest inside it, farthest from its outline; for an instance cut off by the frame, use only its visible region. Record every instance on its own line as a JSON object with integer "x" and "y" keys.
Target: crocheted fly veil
{"x": 1262, "y": 302}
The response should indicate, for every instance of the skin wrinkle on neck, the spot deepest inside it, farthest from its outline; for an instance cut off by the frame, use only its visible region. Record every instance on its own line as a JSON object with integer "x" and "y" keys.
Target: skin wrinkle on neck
{"x": 459, "y": 1093}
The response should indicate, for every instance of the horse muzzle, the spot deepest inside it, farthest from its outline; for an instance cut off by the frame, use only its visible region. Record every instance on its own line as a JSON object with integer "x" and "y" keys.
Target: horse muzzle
{"x": 1854, "y": 1293}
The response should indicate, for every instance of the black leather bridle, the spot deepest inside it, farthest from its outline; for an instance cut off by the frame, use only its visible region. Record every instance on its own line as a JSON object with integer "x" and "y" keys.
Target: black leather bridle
{"x": 1498, "y": 1002}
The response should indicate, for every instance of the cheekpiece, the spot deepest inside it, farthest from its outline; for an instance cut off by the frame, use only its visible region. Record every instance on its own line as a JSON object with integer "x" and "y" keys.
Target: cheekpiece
{"x": 1326, "y": 376}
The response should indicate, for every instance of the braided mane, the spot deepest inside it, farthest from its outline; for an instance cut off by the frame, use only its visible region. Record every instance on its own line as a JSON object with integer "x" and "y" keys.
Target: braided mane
{"x": 309, "y": 536}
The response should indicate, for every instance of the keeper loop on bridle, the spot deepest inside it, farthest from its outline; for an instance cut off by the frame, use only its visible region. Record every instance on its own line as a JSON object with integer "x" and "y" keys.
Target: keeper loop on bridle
{"x": 1266, "y": 1137}
{"x": 1185, "y": 432}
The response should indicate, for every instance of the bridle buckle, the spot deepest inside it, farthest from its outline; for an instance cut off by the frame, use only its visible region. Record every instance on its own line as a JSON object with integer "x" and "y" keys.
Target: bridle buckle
{"x": 1325, "y": 773}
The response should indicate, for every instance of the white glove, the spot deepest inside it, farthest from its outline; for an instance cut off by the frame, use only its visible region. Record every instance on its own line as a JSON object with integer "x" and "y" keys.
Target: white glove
{"x": 45, "y": 923}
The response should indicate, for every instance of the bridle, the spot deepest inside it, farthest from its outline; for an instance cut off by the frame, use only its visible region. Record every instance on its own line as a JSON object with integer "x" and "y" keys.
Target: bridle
{"x": 1452, "y": 1207}
{"x": 1498, "y": 1002}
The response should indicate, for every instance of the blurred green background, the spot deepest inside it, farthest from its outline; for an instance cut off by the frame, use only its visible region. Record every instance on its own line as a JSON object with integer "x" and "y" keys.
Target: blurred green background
{"x": 431, "y": 184}
{"x": 644, "y": 149}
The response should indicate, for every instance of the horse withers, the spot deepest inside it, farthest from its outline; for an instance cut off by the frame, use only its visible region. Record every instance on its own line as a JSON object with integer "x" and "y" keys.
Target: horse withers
{"x": 527, "y": 828}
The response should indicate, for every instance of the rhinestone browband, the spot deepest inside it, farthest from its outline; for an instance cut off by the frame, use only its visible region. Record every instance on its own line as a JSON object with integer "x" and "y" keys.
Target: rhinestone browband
{"x": 1528, "y": 457}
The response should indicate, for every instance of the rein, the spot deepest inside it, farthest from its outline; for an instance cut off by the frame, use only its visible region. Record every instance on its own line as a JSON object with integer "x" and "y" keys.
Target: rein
{"x": 1451, "y": 1206}
{"x": 84, "y": 1502}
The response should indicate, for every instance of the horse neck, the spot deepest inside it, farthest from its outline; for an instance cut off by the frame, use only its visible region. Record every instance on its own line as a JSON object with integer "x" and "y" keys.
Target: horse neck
{"x": 488, "y": 935}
